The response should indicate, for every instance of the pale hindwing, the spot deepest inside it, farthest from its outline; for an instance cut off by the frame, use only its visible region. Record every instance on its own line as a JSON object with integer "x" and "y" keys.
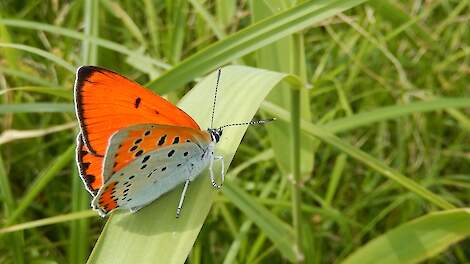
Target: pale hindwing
{"x": 152, "y": 174}
{"x": 119, "y": 153}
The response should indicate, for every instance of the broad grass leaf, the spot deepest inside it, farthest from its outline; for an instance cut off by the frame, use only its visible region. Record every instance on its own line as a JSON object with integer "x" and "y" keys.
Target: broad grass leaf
{"x": 416, "y": 240}
{"x": 153, "y": 234}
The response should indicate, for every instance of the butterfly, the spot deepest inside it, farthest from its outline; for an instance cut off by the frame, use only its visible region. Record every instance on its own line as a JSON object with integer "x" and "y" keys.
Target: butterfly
{"x": 134, "y": 146}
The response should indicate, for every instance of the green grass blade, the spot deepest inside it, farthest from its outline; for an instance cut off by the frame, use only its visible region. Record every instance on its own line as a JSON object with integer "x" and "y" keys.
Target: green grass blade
{"x": 281, "y": 56}
{"x": 152, "y": 27}
{"x": 335, "y": 177}
{"x": 279, "y": 232}
{"x": 56, "y": 91}
{"x": 389, "y": 112}
{"x": 115, "y": 9}
{"x": 376, "y": 164}
{"x": 250, "y": 39}
{"x": 76, "y": 35}
{"x": 26, "y": 76}
{"x": 241, "y": 91}
{"x": 36, "y": 108}
{"x": 201, "y": 10}
{"x": 41, "y": 182}
{"x": 11, "y": 56}
{"x": 381, "y": 114}
{"x": 48, "y": 221}
{"x": 40, "y": 52}
{"x": 15, "y": 240}
{"x": 399, "y": 18}
{"x": 424, "y": 237}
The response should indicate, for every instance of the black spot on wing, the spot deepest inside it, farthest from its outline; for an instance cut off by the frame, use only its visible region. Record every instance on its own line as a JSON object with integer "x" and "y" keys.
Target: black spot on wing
{"x": 171, "y": 153}
{"x": 176, "y": 140}
{"x": 138, "y": 141}
{"x": 146, "y": 158}
{"x": 86, "y": 165}
{"x": 138, "y": 153}
{"x": 161, "y": 141}
{"x": 137, "y": 102}
{"x": 89, "y": 178}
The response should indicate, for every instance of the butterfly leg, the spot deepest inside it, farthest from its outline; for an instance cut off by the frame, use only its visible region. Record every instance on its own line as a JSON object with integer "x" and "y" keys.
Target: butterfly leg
{"x": 183, "y": 194}
{"x": 222, "y": 169}
{"x": 217, "y": 186}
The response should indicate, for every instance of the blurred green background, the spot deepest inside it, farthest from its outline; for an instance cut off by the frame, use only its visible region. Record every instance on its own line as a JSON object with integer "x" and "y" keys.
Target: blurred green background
{"x": 368, "y": 162}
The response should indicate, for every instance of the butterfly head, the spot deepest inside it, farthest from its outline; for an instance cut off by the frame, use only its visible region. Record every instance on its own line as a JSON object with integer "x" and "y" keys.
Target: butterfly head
{"x": 215, "y": 133}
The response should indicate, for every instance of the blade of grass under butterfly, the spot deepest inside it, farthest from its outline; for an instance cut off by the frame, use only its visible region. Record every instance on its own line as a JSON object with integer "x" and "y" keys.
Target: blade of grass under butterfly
{"x": 424, "y": 237}
{"x": 154, "y": 228}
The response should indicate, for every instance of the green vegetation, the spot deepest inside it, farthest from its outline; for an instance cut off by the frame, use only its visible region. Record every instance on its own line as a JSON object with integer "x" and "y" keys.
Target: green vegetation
{"x": 367, "y": 162}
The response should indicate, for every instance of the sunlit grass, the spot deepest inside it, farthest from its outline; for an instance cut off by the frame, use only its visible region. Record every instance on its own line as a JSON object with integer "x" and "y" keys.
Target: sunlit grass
{"x": 380, "y": 127}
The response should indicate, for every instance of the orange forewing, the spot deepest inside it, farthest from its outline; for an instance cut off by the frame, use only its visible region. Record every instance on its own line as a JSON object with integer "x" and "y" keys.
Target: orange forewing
{"x": 90, "y": 167}
{"x": 106, "y": 102}
{"x": 142, "y": 140}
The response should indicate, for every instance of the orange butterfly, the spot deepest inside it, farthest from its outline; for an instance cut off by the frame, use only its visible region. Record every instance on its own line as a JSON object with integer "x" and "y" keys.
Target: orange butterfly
{"x": 134, "y": 145}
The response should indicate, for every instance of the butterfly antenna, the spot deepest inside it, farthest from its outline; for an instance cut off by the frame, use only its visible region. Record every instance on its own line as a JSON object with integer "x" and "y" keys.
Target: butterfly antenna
{"x": 219, "y": 70}
{"x": 257, "y": 122}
